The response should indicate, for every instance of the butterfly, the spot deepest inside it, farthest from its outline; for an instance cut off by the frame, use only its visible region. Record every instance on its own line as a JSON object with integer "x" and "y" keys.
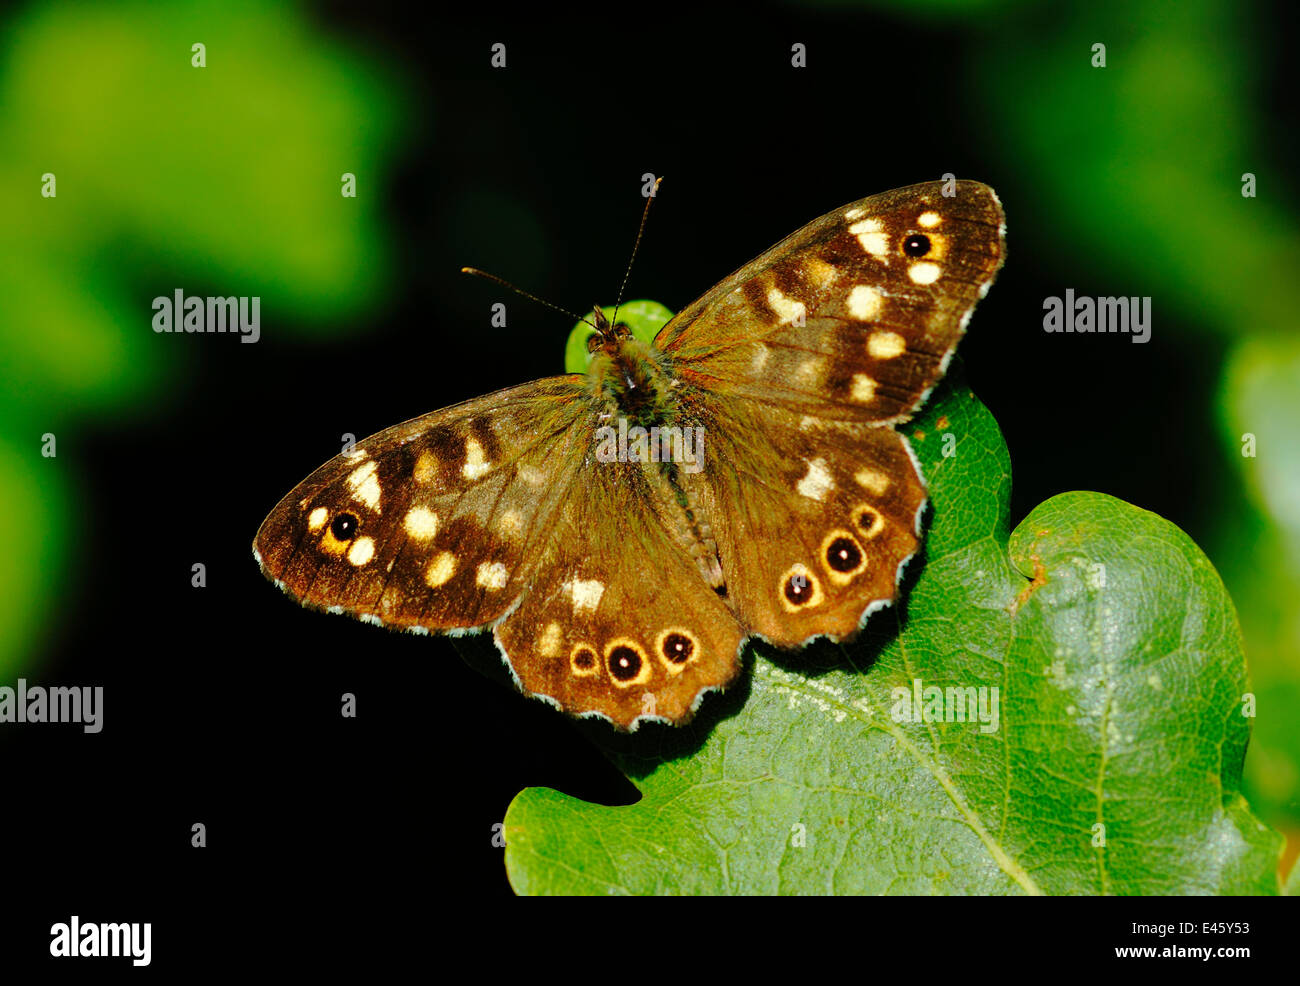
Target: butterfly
{"x": 623, "y": 585}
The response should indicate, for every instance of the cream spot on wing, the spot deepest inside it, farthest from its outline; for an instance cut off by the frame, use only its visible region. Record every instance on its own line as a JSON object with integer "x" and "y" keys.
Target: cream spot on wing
{"x": 886, "y": 345}
{"x": 864, "y": 302}
{"x": 362, "y": 550}
{"x": 873, "y": 241}
{"x": 817, "y": 483}
{"x": 316, "y": 519}
{"x": 585, "y": 594}
{"x": 809, "y": 373}
{"x": 551, "y": 642}
{"x": 876, "y": 244}
{"x": 854, "y": 213}
{"x": 928, "y": 219}
{"x": 864, "y": 388}
{"x": 421, "y": 523}
{"x": 760, "y": 356}
{"x": 426, "y": 469}
{"x": 510, "y": 522}
{"x": 820, "y": 272}
{"x": 531, "y": 475}
{"x": 440, "y": 570}
{"x": 491, "y": 575}
{"x": 365, "y": 484}
{"x": 787, "y": 309}
{"x": 476, "y": 464}
{"x": 873, "y": 480}
{"x": 923, "y": 273}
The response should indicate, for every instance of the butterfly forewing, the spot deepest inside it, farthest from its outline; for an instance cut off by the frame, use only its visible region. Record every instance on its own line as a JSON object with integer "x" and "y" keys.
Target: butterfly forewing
{"x": 433, "y": 523}
{"x": 853, "y": 316}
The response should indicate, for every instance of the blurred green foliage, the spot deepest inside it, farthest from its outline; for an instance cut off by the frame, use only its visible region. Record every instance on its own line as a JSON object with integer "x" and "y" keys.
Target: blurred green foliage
{"x": 1141, "y": 166}
{"x": 150, "y": 157}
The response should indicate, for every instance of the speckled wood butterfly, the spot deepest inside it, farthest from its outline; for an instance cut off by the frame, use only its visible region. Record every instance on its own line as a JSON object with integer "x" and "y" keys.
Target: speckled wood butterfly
{"x": 625, "y": 586}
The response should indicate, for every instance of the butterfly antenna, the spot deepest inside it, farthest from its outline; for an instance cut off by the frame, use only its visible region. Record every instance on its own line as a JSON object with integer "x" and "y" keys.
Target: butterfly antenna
{"x": 635, "y": 247}
{"x": 520, "y": 291}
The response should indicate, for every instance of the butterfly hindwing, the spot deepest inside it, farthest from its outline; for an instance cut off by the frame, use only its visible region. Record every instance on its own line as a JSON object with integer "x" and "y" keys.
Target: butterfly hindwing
{"x": 618, "y": 621}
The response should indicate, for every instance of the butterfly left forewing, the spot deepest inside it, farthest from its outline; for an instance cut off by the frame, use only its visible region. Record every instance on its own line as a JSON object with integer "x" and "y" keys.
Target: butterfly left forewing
{"x": 428, "y": 524}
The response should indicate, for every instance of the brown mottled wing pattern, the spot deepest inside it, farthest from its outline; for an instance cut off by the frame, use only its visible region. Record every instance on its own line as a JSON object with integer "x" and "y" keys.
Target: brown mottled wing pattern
{"x": 797, "y": 365}
{"x": 494, "y": 513}
{"x": 625, "y": 589}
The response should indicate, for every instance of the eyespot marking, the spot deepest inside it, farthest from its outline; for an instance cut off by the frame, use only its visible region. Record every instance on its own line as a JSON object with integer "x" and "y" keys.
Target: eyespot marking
{"x": 798, "y": 589}
{"x": 916, "y": 245}
{"x": 626, "y": 663}
{"x": 843, "y": 556}
{"x": 344, "y": 526}
{"x": 677, "y": 647}
{"x": 583, "y": 661}
{"x": 870, "y": 520}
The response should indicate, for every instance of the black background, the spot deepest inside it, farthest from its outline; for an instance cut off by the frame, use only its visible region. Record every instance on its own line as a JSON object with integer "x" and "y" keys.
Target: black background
{"x": 222, "y": 704}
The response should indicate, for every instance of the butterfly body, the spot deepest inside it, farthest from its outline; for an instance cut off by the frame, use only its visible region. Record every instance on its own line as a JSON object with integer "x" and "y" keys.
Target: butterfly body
{"x": 623, "y": 532}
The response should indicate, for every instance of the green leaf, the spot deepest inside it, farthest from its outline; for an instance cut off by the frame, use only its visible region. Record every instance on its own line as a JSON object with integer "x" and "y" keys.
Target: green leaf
{"x": 1117, "y": 661}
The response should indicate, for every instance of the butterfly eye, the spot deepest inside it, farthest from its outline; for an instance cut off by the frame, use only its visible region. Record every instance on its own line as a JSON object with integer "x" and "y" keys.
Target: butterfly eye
{"x": 917, "y": 245}
{"x": 621, "y": 331}
{"x": 593, "y": 342}
{"x": 344, "y": 526}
